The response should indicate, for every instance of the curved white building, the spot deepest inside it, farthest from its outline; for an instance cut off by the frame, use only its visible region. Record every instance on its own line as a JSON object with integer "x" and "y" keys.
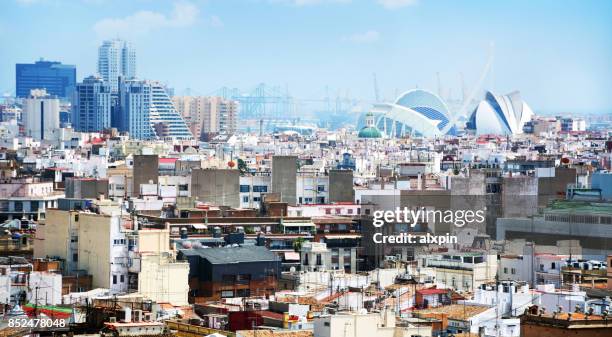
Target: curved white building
{"x": 416, "y": 111}
{"x": 500, "y": 115}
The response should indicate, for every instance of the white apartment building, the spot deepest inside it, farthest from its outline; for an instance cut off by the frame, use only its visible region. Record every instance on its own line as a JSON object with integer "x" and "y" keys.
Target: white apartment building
{"x": 366, "y": 325}
{"x": 41, "y": 115}
{"x": 462, "y": 271}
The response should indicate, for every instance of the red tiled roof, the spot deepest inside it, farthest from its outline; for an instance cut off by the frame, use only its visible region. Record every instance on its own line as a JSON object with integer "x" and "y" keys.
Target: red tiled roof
{"x": 167, "y": 160}
{"x": 432, "y": 291}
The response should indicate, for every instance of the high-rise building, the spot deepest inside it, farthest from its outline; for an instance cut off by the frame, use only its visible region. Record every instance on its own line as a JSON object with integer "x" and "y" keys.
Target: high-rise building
{"x": 207, "y": 116}
{"x": 146, "y": 112}
{"x": 91, "y": 109}
{"x": 116, "y": 58}
{"x": 41, "y": 115}
{"x": 56, "y": 78}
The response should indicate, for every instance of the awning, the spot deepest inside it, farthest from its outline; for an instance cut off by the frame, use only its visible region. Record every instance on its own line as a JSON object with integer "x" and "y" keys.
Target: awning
{"x": 292, "y": 256}
{"x": 298, "y": 224}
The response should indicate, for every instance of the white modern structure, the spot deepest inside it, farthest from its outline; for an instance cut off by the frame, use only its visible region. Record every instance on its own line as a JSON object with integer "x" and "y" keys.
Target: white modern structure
{"x": 416, "y": 111}
{"x": 147, "y": 112}
{"x": 41, "y": 115}
{"x": 116, "y": 58}
{"x": 500, "y": 115}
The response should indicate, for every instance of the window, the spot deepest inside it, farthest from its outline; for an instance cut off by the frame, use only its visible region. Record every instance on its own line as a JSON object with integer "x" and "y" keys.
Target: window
{"x": 260, "y": 188}
{"x": 114, "y": 279}
{"x": 552, "y": 265}
{"x": 122, "y": 278}
{"x": 75, "y": 257}
{"x": 256, "y": 199}
{"x": 245, "y": 199}
{"x": 227, "y": 293}
{"x": 243, "y": 277}
{"x": 350, "y": 211}
{"x": 505, "y": 270}
{"x": 243, "y": 293}
{"x": 319, "y": 260}
{"x": 245, "y": 188}
{"x": 321, "y": 188}
{"x": 328, "y": 211}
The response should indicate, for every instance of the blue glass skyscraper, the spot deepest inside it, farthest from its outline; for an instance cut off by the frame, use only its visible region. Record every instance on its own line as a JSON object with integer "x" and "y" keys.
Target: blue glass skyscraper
{"x": 91, "y": 108}
{"x": 58, "y": 79}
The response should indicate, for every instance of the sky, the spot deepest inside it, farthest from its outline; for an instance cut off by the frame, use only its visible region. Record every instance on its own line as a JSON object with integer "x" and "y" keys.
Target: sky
{"x": 558, "y": 53}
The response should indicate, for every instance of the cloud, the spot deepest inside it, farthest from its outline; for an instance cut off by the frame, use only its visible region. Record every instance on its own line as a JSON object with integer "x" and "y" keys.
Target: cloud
{"x": 395, "y": 4}
{"x": 366, "y": 37}
{"x": 142, "y": 22}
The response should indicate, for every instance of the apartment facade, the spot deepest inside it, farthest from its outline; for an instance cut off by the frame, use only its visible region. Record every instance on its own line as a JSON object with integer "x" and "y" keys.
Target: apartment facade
{"x": 207, "y": 116}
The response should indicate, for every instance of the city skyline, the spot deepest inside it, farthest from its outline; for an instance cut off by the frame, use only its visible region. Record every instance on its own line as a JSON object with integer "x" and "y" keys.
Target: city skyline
{"x": 557, "y": 55}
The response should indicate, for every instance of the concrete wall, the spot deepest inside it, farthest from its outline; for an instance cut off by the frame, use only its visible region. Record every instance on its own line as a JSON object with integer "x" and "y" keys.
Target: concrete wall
{"x": 95, "y": 248}
{"x": 284, "y": 175}
{"x": 555, "y": 187}
{"x": 53, "y": 238}
{"x": 216, "y": 186}
{"x": 86, "y": 188}
{"x": 162, "y": 280}
{"x": 146, "y": 168}
{"x": 341, "y": 186}
{"x": 519, "y": 196}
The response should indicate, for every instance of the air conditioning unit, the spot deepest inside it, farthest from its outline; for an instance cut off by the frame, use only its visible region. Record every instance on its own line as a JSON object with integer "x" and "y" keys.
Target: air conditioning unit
{"x": 112, "y": 319}
{"x": 137, "y": 316}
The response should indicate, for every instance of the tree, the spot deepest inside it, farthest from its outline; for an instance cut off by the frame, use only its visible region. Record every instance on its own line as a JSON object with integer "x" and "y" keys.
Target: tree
{"x": 242, "y": 166}
{"x": 297, "y": 243}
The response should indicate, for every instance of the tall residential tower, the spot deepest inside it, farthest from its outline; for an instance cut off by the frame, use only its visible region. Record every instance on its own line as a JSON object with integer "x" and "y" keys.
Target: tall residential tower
{"x": 116, "y": 58}
{"x": 207, "y": 116}
{"x": 91, "y": 109}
